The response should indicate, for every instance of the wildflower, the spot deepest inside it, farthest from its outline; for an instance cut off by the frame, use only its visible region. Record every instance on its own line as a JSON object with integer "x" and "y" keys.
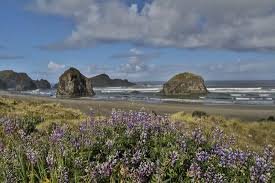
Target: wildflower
{"x": 50, "y": 160}
{"x": 63, "y": 175}
{"x": 109, "y": 143}
{"x": 194, "y": 171}
{"x": 32, "y": 156}
{"x": 9, "y": 126}
{"x": 136, "y": 157}
{"x": 202, "y": 156}
{"x": 57, "y": 134}
{"x": 198, "y": 136}
{"x": 145, "y": 170}
{"x": 174, "y": 157}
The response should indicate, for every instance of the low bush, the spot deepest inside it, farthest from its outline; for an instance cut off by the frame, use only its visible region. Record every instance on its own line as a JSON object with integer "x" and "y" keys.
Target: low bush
{"x": 199, "y": 114}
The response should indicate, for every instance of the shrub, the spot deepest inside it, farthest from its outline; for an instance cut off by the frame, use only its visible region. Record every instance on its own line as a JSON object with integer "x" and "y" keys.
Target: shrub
{"x": 271, "y": 118}
{"x": 199, "y": 114}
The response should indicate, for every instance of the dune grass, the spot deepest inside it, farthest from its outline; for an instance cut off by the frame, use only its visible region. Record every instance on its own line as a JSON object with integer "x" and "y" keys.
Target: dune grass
{"x": 252, "y": 134}
{"x": 48, "y": 112}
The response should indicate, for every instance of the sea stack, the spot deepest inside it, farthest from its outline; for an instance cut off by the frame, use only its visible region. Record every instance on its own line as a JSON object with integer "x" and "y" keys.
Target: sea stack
{"x": 185, "y": 84}
{"x": 103, "y": 80}
{"x": 3, "y": 85}
{"x": 16, "y": 81}
{"x": 43, "y": 84}
{"x": 73, "y": 84}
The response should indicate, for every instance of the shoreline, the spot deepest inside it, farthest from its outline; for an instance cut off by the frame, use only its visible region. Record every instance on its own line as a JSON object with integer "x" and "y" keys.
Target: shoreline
{"x": 242, "y": 112}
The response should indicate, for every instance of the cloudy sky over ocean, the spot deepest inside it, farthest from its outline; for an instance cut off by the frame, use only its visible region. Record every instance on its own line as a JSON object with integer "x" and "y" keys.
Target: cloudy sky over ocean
{"x": 138, "y": 39}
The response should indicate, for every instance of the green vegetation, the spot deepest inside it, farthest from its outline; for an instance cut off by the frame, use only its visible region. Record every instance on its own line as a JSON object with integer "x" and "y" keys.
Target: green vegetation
{"x": 254, "y": 134}
{"x": 42, "y": 112}
{"x": 46, "y": 142}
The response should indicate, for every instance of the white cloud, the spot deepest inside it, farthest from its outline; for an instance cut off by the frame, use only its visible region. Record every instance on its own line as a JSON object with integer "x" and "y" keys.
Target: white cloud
{"x": 52, "y": 66}
{"x": 223, "y": 24}
{"x": 136, "y": 61}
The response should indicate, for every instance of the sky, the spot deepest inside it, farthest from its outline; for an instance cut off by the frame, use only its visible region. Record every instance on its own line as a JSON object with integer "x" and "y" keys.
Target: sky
{"x": 139, "y": 40}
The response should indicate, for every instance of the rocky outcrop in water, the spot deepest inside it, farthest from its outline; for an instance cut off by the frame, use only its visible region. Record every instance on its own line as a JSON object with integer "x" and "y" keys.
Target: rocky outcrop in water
{"x": 17, "y": 81}
{"x": 43, "y": 84}
{"x": 3, "y": 85}
{"x": 103, "y": 80}
{"x": 73, "y": 84}
{"x": 185, "y": 84}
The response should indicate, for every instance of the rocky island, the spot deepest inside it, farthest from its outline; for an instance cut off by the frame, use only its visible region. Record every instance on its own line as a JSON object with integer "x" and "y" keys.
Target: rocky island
{"x": 103, "y": 80}
{"x": 42, "y": 84}
{"x": 73, "y": 84}
{"x": 16, "y": 81}
{"x": 185, "y": 84}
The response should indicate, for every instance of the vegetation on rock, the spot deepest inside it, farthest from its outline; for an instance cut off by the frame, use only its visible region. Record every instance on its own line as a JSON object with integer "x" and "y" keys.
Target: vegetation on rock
{"x": 17, "y": 81}
{"x": 103, "y": 80}
{"x": 184, "y": 84}
{"x": 73, "y": 84}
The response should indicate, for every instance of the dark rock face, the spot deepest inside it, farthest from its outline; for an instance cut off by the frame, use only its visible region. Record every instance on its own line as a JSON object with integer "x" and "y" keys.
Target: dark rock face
{"x": 3, "y": 85}
{"x": 73, "y": 84}
{"x": 42, "y": 84}
{"x": 185, "y": 84}
{"x": 55, "y": 86}
{"x": 103, "y": 80}
{"x": 17, "y": 81}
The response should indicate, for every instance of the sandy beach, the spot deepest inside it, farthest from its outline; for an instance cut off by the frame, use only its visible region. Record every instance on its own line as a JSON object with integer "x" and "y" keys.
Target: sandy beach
{"x": 243, "y": 112}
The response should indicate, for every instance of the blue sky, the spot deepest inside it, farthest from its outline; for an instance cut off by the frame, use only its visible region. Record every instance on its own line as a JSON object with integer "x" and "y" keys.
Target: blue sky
{"x": 138, "y": 39}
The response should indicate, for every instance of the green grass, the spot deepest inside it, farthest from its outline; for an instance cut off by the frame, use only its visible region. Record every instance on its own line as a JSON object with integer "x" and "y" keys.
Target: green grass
{"x": 247, "y": 133}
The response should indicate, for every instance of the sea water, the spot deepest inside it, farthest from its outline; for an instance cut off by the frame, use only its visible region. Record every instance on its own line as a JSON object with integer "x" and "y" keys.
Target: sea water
{"x": 220, "y": 92}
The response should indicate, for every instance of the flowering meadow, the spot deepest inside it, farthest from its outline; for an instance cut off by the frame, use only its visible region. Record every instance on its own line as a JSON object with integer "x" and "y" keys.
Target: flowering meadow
{"x": 126, "y": 147}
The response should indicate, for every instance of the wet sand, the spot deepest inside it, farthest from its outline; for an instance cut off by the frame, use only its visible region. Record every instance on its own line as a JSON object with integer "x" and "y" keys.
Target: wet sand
{"x": 244, "y": 112}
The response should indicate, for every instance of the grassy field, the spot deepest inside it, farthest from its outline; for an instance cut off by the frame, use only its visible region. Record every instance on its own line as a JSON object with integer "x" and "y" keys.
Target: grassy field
{"x": 48, "y": 112}
{"x": 252, "y": 134}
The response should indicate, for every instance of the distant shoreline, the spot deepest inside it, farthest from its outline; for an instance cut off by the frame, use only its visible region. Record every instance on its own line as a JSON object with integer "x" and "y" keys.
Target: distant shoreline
{"x": 243, "y": 112}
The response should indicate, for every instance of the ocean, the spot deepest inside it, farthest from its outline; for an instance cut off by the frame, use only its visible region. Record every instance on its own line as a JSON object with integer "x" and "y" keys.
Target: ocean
{"x": 221, "y": 92}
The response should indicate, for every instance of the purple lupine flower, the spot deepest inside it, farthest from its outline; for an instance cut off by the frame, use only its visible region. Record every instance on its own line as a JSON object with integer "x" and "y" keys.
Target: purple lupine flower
{"x": 32, "y": 156}
{"x": 210, "y": 176}
{"x": 174, "y": 156}
{"x": 76, "y": 143}
{"x": 218, "y": 135}
{"x": 261, "y": 170}
{"x": 198, "y": 136}
{"x": 202, "y": 156}
{"x": 78, "y": 162}
{"x": 63, "y": 175}
{"x": 145, "y": 170}
{"x": 136, "y": 157}
{"x": 9, "y": 126}
{"x": 195, "y": 171}
{"x": 109, "y": 143}
{"x": 50, "y": 160}
{"x": 105, "y": 169}
{"x": 57, "y": 134}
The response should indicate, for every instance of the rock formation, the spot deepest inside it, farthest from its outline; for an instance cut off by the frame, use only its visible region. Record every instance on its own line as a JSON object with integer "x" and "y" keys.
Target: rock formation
{"x": 185, "y": 84}
{"x": 17, "y": 81}
{"x": 42, "y": 84}
{"x": 73, "y": 84}
{"x": 103, "y": 80}
{"x": 3, "y": 85}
